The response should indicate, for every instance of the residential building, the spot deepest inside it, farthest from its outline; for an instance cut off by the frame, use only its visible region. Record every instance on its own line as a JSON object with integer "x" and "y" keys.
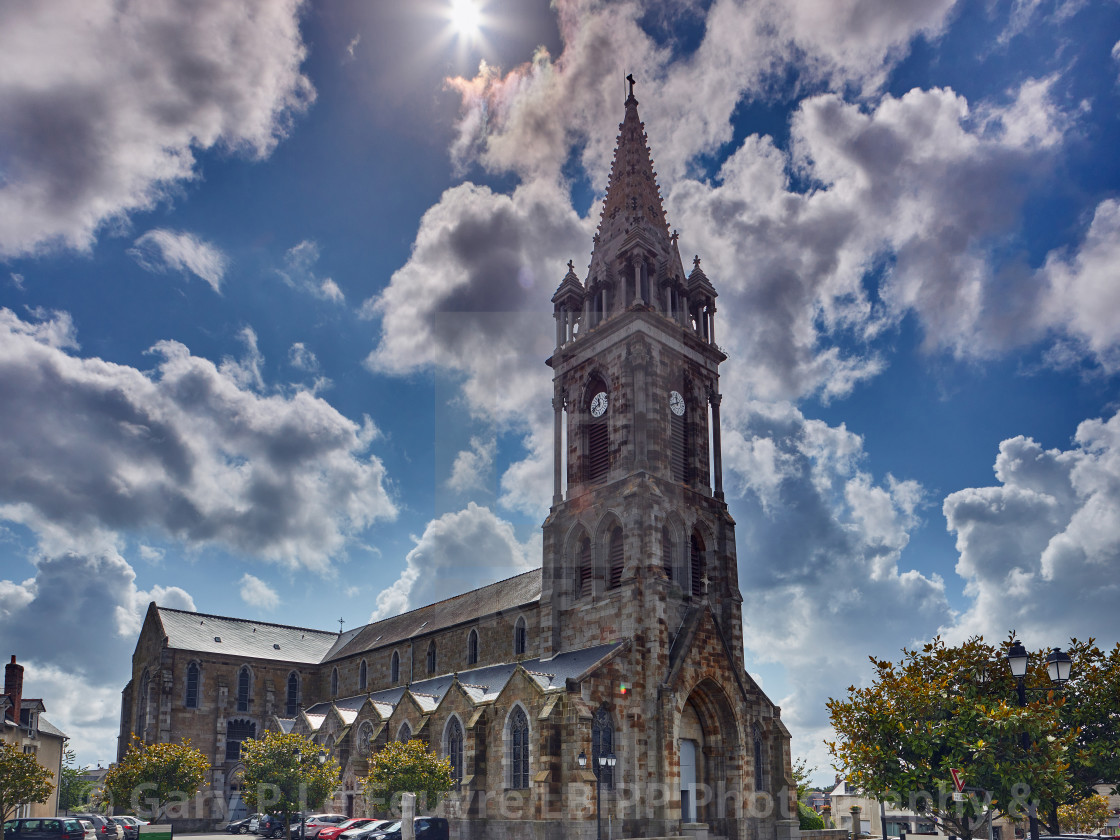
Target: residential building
{"x": 24, "y": 726}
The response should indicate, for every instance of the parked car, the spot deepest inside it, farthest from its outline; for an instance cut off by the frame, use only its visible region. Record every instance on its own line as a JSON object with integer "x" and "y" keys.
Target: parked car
{"x": 238, "y": 826}
{"x": 427, "y": 828}
{"x": 91, "y": 832}
{"x": 270, "y": 826}
{"x": 362, "y": 832}
{"x": 47, "y": 828}
{"x": 331, "y": 832}
{"x": 104, "y": 826}
{"x": 130, "y": 824}
{"x": 316, "y": 823}
{"x": 254, "y": 822}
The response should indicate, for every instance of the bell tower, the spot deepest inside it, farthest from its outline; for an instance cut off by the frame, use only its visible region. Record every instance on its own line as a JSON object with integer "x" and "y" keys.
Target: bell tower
{"x": 638, "y": 536}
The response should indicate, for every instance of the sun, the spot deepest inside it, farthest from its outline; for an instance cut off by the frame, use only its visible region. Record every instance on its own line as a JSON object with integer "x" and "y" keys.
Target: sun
{"x": 465, "y": 17}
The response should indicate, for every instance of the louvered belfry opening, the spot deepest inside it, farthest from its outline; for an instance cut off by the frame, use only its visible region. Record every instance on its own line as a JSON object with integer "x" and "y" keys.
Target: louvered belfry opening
{"x": 597, "y": 437}
{"x": 616, "y": 559}
{"x": 678, "y": 447}
{"x": 584, "y": 567}
{"x": 696, "y": 550}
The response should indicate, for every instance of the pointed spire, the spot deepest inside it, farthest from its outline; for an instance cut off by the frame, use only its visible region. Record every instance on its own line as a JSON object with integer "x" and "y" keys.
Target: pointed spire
{"x": 633, "y": 197}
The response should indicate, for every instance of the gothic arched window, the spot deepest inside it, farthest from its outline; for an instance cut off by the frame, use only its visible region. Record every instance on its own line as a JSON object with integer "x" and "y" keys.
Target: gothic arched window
{"x": 404, "y": 734}
{"x": 472, "y": 647}
{"x": 759, "y": 762}
{"x": 520, "y": 636}
{"x": 142, "y": 703}
{"x": 363, "y": 676}
{"x": 334, "y": 682}
{"x": 244, "y": 683}
{"x": 365, "y": 738}
{"x": 583, "y": 588}
{"x": 602, "y": 744}
{"x": 667, "y": 552}
{"x": 518, "y": 740}
{"x": 395, "y": 668}
{"x": 615, "y": 559}
{"x": 453, "y": 749}
{"x": 193, "y": 674}
{"x": 292, "y": 704}
{"x": 696, "y": 563}
{"x": 431, "y": 657}
{"x": 236, "y": 732}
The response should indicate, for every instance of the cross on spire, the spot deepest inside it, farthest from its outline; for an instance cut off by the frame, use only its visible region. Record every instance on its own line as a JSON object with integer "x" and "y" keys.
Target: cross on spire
{"x": 630, "y": 79}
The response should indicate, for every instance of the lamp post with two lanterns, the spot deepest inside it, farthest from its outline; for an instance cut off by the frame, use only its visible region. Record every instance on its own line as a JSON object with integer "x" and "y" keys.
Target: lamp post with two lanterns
{"x": 605, "y": 762}
{"x": 321, "y": 758}
{"x": 1058, "y": 666}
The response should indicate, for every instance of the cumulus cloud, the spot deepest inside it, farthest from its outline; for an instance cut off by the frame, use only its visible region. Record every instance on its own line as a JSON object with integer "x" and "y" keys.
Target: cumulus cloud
{"x": 473, "y": 466}
{"x": 84, "y": 707}
{"x": 474, "y": 295}
{"x": 457, "y": 552}
{"x": 256, "y": 593}
{"x": 820, "y": 543}
{"x": 301, "y": 358}
{"x": 102, "y": 112}
{"x": 162, "y": 250}
{"x": 1046, "y": 537}
{"x": 299, "y": 273}
{"x": 93, "y": 448}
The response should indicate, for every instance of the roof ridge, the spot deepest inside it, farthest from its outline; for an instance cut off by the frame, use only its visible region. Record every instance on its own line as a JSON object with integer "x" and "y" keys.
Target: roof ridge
{"x": 247, "y": 621}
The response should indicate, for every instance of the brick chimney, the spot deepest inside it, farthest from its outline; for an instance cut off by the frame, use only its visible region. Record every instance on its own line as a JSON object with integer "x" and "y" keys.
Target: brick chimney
{"x": 13, "y": 685}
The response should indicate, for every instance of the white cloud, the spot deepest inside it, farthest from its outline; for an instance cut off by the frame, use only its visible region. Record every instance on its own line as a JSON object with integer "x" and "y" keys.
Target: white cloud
{"x": 298, "y": 272}
{"x": 303, "y": 359}
{"x": 258, "y": 594}
{"x": 103, "y": 111}
{"x": 472, "y": 467}
{"x": 93, "y": 448}
{"x": 1046, "y": 537}
{"x": 162, "y": 250}
{"x": 17, "y": 280}
{"x": 87, "y": 710}
{"x": 457, "y": 552}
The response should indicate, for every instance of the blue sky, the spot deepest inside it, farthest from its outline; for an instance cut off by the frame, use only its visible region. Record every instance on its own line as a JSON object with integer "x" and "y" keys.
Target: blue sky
{"x": 274, "y": 309}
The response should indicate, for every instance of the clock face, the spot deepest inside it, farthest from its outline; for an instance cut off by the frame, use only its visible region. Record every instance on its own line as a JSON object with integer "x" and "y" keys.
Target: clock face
{"x": 599, "y": 404}
{"x": 676, "y": 403}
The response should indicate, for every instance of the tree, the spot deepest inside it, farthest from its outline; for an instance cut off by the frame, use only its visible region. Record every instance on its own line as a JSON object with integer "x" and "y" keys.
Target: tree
{"x": 898, "y": 738}
{"x": 152, "y": 777}
{"x": 406, "y": 768}
{"x": 283, "y": 775}
{"x": 803, "y": 777}
{"x": 809, "y": 819}
{"x": 73, "y": 790}
{"x": 1085, "y": 817}
{"x": 22, "y": 779}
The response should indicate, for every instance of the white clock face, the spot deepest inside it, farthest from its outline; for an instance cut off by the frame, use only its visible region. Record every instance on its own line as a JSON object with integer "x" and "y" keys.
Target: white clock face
{"x": 676, "y": 403}
{"x": 599, "y": 404}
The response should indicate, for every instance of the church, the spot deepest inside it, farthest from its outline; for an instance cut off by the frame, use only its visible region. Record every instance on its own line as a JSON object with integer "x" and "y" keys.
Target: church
{"x": 627, "y": 642}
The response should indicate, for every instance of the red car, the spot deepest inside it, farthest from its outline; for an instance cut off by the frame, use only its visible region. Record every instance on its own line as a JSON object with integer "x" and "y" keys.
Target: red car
{"x": 332, "y": 832}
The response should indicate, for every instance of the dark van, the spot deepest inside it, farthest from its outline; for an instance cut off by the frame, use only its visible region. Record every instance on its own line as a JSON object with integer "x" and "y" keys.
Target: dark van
{"x": 45, "y": 828}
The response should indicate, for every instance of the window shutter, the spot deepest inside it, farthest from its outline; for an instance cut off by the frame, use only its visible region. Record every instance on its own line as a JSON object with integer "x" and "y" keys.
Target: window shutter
{"x": 585, "y": 568}
{"x": 678, "y": 447}
{"x": 697, "y": 562}
{"x": 667, "y": 553}
{"x": 616, "y": 559}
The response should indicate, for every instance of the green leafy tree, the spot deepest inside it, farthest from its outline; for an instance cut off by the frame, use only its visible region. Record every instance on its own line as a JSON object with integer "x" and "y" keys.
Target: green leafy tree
{"x": 803, "y": 777}
{"x": 1091, "y": 709}
{"x": 73, "y": 790}
{"x": 283, "y": 775}
{"x": 946, "y": 707}
{"x": 22, "y": 779}
{"x": 1085, "y": 817}
{"x": 406, "y": 768}
{"x": 153, "y": 777}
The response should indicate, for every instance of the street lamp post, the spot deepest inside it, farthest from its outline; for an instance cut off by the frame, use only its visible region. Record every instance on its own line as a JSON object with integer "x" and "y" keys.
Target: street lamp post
{"x": 321, "y": 758}
{"x": 1058, "y": 665}
{"x": 605, "y": 761}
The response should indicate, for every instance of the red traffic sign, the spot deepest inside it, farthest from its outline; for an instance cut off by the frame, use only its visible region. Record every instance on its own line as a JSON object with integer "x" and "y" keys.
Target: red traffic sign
{"x": 958, "y": 780}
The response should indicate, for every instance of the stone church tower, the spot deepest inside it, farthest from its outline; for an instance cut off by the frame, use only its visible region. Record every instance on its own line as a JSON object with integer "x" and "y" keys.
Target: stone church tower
{"x": 626, "y": 643}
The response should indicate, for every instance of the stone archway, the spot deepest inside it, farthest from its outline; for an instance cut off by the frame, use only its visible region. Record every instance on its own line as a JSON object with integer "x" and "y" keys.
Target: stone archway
{"x": 709, "y": 747}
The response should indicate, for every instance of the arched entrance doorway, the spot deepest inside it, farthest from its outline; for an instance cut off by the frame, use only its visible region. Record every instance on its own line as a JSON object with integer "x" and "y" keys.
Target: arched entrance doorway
{"x": 711, "y": 761}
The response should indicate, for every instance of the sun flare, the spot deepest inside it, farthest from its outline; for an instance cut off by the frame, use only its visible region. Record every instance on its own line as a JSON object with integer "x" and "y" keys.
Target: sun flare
{"x": 466, "y": 17}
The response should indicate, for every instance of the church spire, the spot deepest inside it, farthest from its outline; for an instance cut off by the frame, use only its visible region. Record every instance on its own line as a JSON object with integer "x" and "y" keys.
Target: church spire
{"x": 633, "y": 199}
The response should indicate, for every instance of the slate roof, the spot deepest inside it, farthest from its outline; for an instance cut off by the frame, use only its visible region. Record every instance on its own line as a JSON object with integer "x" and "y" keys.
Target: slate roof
{"x": 244, "y": 638}
{"x": 506, "y": 594}
{"x": 48, "y": 728}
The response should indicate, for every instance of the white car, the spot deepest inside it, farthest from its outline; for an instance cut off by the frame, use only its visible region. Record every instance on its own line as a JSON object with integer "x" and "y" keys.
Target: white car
{"x": 91, "y": 832}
